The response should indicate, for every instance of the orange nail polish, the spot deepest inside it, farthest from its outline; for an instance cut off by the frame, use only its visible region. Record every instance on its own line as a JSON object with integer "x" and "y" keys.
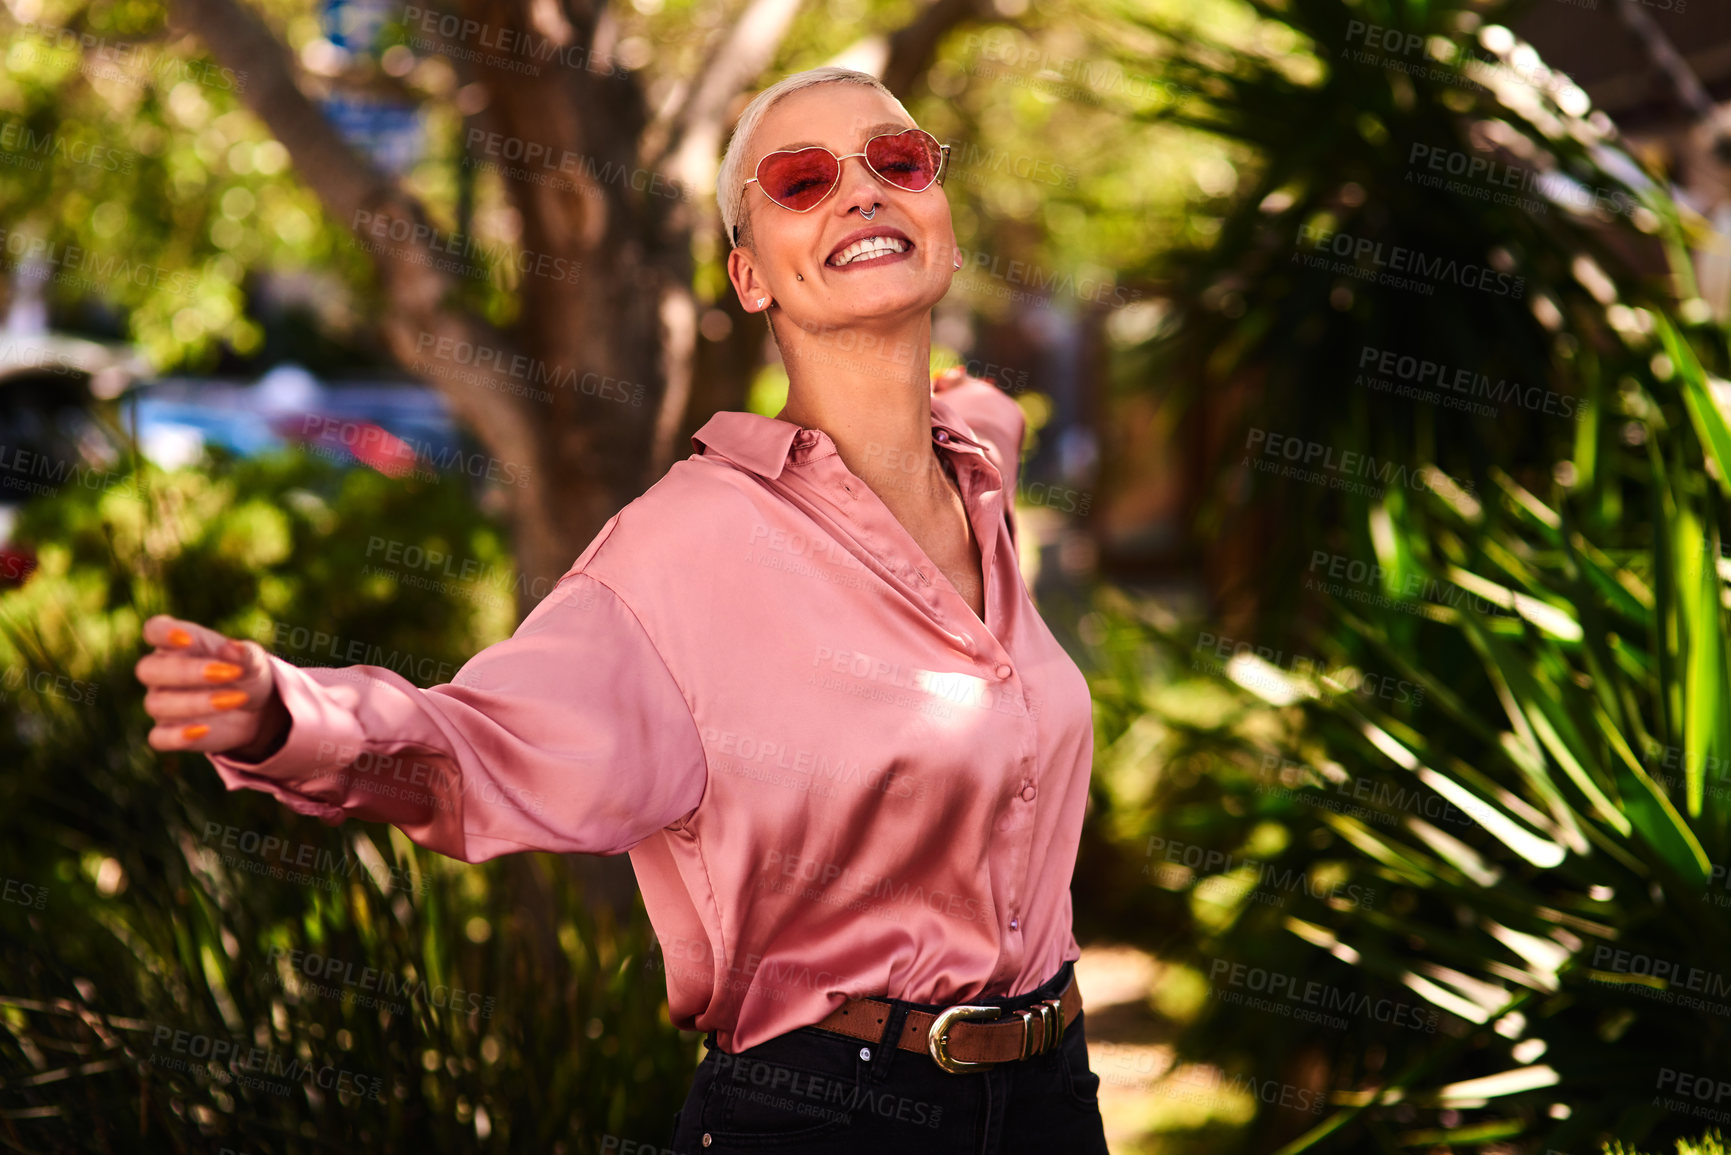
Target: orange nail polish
{"x": 221, "y": 672}
{"x": 179, "y": 637}
{"x": 194, "y": 733}
{"x": 227, "y": 699}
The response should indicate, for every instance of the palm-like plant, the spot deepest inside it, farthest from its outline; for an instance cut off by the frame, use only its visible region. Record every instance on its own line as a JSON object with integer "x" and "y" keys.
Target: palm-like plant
{"x": 1549, "y": 586}
{"x": 1346, "y": 161}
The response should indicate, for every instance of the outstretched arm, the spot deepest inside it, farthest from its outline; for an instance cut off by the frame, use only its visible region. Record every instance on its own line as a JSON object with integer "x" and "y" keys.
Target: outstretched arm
{"x": 571, "y": 735}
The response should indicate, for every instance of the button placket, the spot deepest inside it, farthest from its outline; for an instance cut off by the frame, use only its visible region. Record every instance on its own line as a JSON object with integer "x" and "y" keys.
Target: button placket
{"x": 1008, "y": 660}
{"x": 1017, "y": 847}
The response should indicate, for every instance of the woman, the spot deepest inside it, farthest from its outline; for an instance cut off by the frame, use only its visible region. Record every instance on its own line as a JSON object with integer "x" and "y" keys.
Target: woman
{"x": 800, "y": 680}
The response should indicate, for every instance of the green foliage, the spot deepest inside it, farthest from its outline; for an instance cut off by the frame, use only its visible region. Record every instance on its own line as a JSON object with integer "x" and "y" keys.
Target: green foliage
{"x": 1280, "y": 320}
{"x": 133, "y": 174}
{"x": 1712, "y": 1143}
{"x": 1498, "y": 769}
{"x": 480, "y": 1002}
{"x": 1058, "y": 178}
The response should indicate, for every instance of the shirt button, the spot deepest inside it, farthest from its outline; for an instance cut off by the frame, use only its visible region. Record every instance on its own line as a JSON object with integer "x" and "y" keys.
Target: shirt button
{"x": 706, "y": 1139}
{"x": 1028, "y": 792}
{"x": 1004, "y": 670}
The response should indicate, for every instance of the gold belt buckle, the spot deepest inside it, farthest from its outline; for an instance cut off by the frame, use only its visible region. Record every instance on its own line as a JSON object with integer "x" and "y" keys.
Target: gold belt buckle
{"x": 938, "y": 1038}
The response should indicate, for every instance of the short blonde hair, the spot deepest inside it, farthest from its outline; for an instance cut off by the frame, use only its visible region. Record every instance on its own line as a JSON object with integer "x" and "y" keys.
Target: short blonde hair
{"x": 730, "y": 181}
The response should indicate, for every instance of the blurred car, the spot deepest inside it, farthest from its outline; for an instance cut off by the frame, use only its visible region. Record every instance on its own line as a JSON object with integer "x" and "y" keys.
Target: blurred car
{"x": 71, "y": 409}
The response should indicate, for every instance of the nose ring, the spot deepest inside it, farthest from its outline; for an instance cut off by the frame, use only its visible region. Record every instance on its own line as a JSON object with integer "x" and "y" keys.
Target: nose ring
{"x": 869, "y": 214}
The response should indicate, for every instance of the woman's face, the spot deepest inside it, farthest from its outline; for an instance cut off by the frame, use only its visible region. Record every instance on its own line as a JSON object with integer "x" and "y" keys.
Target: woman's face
{"x": 785, "y": 245}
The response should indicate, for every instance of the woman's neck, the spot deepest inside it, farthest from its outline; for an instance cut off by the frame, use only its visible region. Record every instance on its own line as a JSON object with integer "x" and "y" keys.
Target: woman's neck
{"x": 877, "y": 411}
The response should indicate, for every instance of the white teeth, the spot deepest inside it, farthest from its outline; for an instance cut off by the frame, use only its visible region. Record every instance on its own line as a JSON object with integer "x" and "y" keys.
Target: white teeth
{"x": 868, "y": 248}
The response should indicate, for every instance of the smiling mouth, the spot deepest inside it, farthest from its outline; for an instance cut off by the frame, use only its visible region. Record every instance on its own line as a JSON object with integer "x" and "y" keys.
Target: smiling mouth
{"x": 869, "y": 249}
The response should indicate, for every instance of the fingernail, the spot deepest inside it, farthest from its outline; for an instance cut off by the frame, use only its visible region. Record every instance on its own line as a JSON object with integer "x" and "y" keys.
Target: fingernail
{"x": 221, "y": 672}
{"x": 227, "y": 699}
{"x": 179, "y": 637}
{"x": 194, "y": 733}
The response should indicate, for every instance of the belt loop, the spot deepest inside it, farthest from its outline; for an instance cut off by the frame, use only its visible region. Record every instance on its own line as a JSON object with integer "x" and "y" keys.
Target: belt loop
{"x": 887, "y": 1048}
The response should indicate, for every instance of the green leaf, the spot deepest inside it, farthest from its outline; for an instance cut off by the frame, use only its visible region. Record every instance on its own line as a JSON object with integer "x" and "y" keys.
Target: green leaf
{"x": 1655, "y": 819}
{"x": 1541, "y": 852}
{"x": 1516, "y": 690}
{"x": 1704, "y": 711}
{"x": 1703, "y": 410}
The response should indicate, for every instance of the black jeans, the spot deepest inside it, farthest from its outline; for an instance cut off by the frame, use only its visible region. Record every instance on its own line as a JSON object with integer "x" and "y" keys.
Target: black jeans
{"x": 815, "y": 1091}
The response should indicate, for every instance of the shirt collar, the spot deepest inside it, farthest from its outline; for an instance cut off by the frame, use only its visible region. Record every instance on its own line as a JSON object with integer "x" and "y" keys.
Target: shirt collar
{"x": 750, "y": 440}
{"x": 762, "y": 444}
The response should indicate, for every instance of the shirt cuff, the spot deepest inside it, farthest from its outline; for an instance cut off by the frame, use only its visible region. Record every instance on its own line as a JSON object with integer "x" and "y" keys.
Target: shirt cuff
{"x": 308, "y": 773}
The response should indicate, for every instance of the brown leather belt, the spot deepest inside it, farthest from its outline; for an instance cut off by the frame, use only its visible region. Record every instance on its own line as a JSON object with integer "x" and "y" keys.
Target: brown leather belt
{"x": 964, "y": 1038}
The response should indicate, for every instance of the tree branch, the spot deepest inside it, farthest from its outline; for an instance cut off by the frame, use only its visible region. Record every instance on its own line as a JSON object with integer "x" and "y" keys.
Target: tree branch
{"x": 913, "y": 46}
{"x": 693, "y": 137}
{"x": 357, "y": 196}
{"x": 240, "y": 40}
{"x": 1663, "y": 55}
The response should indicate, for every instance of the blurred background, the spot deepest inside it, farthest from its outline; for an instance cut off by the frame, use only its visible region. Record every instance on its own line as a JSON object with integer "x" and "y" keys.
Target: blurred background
{"x": 1374, "y": 355}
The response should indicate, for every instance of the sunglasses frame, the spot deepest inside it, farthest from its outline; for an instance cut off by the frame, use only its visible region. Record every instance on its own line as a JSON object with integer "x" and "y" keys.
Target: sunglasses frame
{"x": 937, "y": 177}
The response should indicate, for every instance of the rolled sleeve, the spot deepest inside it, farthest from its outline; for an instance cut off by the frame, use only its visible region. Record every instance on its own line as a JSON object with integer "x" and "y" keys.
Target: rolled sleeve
{"x": 570, "y": 736}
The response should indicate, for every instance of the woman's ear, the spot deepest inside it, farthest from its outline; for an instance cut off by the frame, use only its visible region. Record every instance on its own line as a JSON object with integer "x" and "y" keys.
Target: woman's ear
{"x": 742, "y": 272}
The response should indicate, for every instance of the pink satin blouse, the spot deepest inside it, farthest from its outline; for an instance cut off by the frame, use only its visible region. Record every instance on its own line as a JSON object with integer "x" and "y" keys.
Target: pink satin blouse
{"x": 833, "y": 779}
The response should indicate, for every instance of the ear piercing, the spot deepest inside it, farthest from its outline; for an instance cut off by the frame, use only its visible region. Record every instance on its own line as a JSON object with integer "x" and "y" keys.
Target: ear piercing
{"x": 760, "y": 301}
{"x": 958, "y": 260}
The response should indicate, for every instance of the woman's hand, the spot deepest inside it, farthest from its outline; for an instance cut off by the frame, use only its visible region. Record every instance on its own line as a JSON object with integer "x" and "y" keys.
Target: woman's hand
{"x": 210, "y": 693}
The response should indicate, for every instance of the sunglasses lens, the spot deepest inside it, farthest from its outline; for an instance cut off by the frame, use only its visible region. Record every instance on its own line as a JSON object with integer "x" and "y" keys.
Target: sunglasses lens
{"x": 908, "y": 159}
{"x": 798, "y": 180}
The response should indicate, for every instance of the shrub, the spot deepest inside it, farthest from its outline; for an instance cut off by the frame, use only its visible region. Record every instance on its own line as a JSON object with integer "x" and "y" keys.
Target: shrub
{"x": 156, "y": 946}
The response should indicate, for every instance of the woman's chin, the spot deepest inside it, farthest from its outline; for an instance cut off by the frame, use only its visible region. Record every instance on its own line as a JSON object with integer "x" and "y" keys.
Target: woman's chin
{"x": 877, "y": 303}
